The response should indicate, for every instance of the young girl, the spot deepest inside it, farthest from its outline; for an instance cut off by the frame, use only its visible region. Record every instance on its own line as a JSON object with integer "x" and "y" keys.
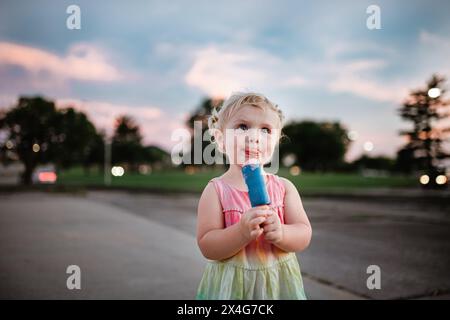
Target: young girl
{"x": 251, "y": 251}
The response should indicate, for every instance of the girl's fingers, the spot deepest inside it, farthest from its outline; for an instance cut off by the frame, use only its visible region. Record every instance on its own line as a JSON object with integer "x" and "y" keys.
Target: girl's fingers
{"x": 269, "y": 228}
{"x": 270, "y": 219}
{"x": 256, "y": 233}
{"x": 260, "y": 213}
{"x": 270, "y": 236}
{"x": 256, "y": 222}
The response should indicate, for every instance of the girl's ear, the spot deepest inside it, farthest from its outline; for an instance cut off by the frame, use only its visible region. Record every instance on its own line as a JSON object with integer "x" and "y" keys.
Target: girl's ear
{"x": 218, "y": 139}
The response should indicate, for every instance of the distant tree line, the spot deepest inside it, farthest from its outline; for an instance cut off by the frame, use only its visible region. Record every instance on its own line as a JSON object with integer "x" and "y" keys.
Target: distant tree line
{"x": 322, "y": 146}
{"x": 36, "y": 132}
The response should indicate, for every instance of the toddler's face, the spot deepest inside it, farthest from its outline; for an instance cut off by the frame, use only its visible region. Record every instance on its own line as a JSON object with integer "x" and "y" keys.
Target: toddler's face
{"x": 251, "y": 133}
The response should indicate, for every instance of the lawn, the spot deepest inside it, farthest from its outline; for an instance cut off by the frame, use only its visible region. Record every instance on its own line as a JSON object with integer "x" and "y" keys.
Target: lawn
{"x": 178, "y": 180}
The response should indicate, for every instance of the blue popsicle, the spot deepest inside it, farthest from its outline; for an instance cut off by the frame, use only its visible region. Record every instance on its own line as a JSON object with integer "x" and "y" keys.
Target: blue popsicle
{"x": 254, "y": 180}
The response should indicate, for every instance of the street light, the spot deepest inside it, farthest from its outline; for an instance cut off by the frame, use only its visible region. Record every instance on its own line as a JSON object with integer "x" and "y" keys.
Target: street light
{"x": 107, "y": 165}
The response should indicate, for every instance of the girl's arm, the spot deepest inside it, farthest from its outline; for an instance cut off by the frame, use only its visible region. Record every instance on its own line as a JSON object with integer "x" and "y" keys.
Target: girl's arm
{"x": 215, "y": 241}
{"x": 296, "y": 229}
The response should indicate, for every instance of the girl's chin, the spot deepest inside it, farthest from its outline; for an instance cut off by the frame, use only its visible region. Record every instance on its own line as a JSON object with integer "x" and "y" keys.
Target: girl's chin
{"x": 243, "y": 161}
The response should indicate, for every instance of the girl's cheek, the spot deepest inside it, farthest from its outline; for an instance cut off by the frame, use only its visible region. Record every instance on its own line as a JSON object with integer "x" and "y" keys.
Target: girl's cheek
{"x": 270, "y": 145}
{"x": 233, "y": 145}
{"x": 240, "y": 141}
{"x": 267, "y": 143}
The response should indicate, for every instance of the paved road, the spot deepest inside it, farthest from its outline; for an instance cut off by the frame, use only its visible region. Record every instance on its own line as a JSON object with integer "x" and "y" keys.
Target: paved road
{"x": 137, "y": 245}
{"x": 121, "y": 255}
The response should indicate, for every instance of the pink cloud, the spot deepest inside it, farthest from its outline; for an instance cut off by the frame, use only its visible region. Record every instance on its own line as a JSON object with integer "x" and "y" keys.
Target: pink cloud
{"x": 218, "y": 71}
{"x": 156, "y": 125}
{"x": 354, "y": 77}
{"x": 367, "y": 88}
{"x": 83, "y": 62}
{"x": 7, "y": 100}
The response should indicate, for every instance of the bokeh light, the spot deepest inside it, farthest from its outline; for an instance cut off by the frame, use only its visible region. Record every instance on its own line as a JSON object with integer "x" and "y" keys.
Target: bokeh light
{"x": 434, "y": 92}
{"x": 295, "y": 170}
{"x": 190, "y": 170}
{"x": 9, "y": 144}
{"x": 368, "y": 146}
{"x": 424, "y": 179}
{"x": 47, "y": 177}
{"x": 117, "y": 171}
{"x": 352, "y": 135}
{"x": 441, "y": 179}
{"x": 289, "y": 160}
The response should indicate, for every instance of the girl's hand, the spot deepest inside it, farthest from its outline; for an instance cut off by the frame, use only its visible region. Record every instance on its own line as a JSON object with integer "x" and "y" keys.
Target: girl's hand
{"x": 273, "y": 231}
{"x": 251, "y": 220}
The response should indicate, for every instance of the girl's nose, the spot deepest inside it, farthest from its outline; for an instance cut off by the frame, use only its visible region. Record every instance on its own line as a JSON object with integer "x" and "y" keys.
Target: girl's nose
{"x": 253, "y": 135}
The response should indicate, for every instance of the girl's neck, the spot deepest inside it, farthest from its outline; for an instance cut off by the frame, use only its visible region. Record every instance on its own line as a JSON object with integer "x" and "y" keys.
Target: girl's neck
{"x": 234, "y": 173}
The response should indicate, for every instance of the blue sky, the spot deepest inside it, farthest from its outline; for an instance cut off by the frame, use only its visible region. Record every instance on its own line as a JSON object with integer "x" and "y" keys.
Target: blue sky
{"x": 157, "y": 60}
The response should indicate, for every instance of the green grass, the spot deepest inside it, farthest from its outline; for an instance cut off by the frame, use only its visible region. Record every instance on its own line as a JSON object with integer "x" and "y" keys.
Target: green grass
{"x": 177, "y": 180}
{"x": 344, "y": 180}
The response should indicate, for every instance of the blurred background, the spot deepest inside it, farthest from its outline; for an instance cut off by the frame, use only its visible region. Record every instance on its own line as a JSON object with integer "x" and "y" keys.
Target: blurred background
{"x": 94, "y": 98}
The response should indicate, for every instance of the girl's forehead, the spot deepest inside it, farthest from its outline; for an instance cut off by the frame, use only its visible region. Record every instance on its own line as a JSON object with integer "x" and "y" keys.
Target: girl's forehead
{"x": 249, "y": 113}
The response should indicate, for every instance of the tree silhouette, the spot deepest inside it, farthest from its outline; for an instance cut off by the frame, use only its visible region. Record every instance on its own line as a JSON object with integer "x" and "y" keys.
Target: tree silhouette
{"x": 95, "y": 152}
{"x": 39, "y": 133}
{"x": 424, "y": 108}
{"x": 316, "y": 146}
{"x": 126, "y": 142}
{"x": 80, "y": 138}
{"x": 378, "y": 163}
{"x": 201, "y": 114}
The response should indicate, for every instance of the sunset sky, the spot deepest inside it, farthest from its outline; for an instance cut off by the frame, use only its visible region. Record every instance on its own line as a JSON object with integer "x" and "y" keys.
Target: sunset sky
{"x": 156, "y": 61}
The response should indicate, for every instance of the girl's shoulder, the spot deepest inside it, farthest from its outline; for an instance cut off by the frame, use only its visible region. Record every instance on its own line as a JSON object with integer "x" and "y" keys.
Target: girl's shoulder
{"x": 211, "y": 195}
{"x": 287, "y": 184}
{"x": 216, "y": 181}
{"x": 282, "y": 180}
{"x": 278, "y": 183}
{"x": 278, "y": 179}
{"x": 216, "y": 178}
{"x": 216, "y": 185}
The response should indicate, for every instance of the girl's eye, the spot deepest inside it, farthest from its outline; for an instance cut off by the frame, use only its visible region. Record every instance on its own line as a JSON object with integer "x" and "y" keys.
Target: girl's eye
{"x": 266, "y": 130}
{"x": 242, "y": 127}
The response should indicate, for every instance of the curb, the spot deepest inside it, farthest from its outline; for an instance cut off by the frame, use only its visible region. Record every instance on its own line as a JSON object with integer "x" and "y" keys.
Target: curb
{"x": 417, "y": 195}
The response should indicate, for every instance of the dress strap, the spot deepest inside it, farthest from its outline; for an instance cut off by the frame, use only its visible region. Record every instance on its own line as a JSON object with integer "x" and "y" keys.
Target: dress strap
{"x": 230, "y": 197}
{"x": 219, "y": 186}
{"x": 276, "y": 190}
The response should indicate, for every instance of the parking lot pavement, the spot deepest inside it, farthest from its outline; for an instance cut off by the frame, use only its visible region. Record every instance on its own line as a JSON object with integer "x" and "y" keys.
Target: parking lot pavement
{"x": 409, "y": 239}
{"x": 142, "y": 246}
{"x": 121, "y": 255}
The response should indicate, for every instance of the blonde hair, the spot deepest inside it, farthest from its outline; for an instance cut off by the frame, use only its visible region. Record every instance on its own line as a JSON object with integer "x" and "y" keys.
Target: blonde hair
{"x": 220, "y": 115}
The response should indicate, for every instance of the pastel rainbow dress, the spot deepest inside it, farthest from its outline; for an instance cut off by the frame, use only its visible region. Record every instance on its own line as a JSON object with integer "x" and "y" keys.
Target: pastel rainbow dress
{"x": 260, "y": 271}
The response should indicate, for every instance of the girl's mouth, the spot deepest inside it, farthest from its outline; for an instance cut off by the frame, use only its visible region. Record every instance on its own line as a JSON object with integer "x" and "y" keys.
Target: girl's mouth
{"x": 251, "y": 153}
